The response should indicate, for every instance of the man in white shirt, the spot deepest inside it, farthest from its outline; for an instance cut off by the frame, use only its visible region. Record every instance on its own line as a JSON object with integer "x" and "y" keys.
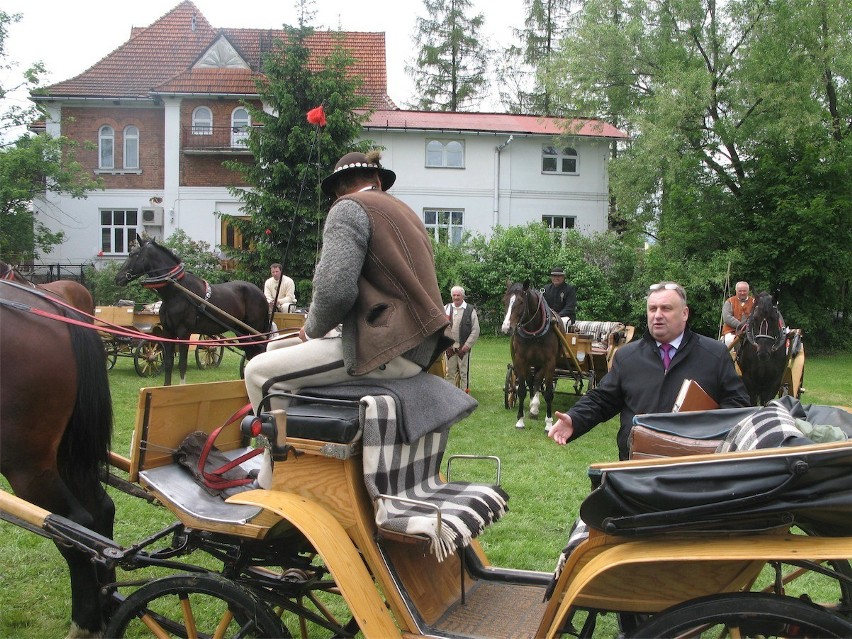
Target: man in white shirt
{"x": 286, "y": 293}
{"x": 464, "y": 329}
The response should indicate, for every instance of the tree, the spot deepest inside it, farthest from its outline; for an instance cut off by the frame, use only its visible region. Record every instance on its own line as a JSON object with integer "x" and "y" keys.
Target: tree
{"x": 286, "y": 206}
{"x": 521, "y": 89}
{"x": 740, "y": 114}
{"x": 29, "y": 164}
{"x": 451, "y": 69}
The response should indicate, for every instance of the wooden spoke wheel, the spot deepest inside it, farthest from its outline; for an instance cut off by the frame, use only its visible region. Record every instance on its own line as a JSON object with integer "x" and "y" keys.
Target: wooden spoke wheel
{"x": 510, "y": 388}
{"x": 148, "y": 359}
{"x": 208, "y": 356}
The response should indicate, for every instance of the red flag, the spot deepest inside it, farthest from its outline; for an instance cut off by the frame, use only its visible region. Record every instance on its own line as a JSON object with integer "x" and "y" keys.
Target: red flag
{"x": 317, "y": 116}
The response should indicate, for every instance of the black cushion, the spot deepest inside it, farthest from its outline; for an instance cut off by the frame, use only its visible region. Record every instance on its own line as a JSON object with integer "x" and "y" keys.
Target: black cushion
{"x": 328, "y": 423}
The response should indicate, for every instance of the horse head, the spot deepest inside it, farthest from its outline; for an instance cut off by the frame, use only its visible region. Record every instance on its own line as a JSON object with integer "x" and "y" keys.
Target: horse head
{"x": 150, "y": 259}
{"x": 522, "y": 305}
{"x": 763, "y": 329}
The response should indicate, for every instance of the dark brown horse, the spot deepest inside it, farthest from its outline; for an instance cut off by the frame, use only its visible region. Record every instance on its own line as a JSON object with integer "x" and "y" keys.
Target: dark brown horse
{"x": 69, "y": 291}
{"x": 763, "y": 354}
{"x": 55, "y": 428}
{"x": 534, "y": 347}
{"x": 191, "y": 305}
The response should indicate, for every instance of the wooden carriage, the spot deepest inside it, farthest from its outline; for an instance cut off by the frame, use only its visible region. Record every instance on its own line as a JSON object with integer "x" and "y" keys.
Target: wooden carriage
{"x": 314, "y": 534}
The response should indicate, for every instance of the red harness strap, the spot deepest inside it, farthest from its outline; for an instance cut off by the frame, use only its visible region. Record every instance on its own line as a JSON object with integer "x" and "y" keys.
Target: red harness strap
{"x": 214, "y": 479}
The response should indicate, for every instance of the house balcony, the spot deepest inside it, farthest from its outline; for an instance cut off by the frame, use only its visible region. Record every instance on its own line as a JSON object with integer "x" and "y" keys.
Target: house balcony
{"x": 214, "y": 140}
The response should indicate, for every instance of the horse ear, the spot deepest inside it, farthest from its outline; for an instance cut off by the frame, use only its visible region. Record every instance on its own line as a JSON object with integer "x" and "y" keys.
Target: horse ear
{"x": 526, "y": 285}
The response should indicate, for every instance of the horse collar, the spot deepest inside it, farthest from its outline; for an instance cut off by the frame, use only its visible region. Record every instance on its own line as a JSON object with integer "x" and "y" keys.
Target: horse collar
{"x": 177, "y": 273}
{"x": 208, "y": 290}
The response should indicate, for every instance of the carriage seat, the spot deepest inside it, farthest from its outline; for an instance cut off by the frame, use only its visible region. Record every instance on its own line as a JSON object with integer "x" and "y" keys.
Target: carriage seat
{"x": 604, "y": 334}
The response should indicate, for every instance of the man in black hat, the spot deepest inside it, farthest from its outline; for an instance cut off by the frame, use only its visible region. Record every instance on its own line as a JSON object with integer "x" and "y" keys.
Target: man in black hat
{"x": 376, "y": 309}
{"x": 561, "y": 296}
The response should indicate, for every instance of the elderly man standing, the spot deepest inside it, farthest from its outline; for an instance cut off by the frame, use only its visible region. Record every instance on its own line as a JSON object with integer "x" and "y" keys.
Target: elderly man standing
{"x": 464, "y": 329}
{"x": 376, "y": 310}
{"x": 646, "y": 375}
{"x": 735, "y": 311}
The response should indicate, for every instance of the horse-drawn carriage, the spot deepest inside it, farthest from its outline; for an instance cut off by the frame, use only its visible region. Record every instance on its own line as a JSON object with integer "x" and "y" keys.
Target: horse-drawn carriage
{"x": 542, "y": 352}
{"x": 340, "y": 542}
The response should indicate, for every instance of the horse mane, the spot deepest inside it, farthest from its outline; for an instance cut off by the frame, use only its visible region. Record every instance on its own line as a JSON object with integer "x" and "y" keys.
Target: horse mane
{"x": 166, "y": 250}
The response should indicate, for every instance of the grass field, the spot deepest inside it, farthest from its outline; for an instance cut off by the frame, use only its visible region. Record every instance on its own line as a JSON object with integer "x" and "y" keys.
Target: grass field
{"x": 546, "y": 483}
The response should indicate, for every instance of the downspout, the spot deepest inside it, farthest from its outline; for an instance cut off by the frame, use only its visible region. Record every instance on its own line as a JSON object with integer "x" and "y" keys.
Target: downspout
{"x": 497, "y": 149}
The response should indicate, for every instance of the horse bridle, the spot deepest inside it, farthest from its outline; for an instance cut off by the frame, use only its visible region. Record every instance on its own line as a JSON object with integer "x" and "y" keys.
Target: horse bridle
{"x": 763, "y": 334}
{"x": 545, "y": 319}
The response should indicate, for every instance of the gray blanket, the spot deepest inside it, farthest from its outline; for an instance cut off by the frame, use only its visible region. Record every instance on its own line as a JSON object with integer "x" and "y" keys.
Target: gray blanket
{"x": 425, "y": 403}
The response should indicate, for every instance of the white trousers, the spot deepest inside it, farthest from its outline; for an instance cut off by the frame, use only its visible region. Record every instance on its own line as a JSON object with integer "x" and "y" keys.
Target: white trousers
{"x": 291, "y": 364}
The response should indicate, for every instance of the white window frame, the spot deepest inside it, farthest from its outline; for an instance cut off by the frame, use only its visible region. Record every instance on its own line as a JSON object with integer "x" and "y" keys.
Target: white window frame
{"x": 445, "y": 154}
{"x": 240, "y": 126}
{"x": 550, "y": 153}
{"x": 444, "y": 224}
{"x": 559, "y": 224}
{"x": 119, "y": 227}
{"x": 106, "y": 147}
{"x": 131, "y": 147}
{"x": 202, "y": 121}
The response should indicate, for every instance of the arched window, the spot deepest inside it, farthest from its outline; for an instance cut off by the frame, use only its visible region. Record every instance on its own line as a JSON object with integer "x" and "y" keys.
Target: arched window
{"x": 106, "y": 147}
{"x": 240, "y": 123}
{"x": 202, "y": 121}
{"x": 131, "y": 147}
{"x": 555, "y": 160}
{"x": 445, "y": 154}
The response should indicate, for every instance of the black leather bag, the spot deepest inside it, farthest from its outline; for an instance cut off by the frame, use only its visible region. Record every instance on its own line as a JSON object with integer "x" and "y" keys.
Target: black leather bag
{"x": 809, "y": 487}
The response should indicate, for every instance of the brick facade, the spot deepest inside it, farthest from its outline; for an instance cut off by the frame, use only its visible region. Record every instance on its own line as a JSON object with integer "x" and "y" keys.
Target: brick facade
{"x": 83, "y": 123}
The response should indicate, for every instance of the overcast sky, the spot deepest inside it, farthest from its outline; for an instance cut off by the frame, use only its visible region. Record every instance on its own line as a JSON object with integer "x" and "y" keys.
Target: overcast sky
{"x": 69, "y": 37}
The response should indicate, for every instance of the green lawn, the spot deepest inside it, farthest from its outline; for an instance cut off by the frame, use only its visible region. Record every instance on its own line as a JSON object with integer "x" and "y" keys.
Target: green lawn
{"x": 546, "y": 483}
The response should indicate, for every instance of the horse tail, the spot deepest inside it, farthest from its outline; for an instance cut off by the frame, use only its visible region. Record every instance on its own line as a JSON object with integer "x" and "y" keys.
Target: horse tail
{"x": 85, "y": 445}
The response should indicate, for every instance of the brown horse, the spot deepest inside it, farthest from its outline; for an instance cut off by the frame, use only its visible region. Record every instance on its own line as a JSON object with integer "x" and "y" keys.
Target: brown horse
{"x": 763, "y": 354}
{"x": 534, "y": 347}
{"x": 55, "y": 428}
{"x": 205, "y": 309}
{"x": 69, "y": 291}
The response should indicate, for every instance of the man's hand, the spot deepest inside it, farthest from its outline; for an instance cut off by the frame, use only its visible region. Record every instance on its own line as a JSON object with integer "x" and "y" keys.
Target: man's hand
{"x": 302, "y": 335}
{"x": 562, "y": 429}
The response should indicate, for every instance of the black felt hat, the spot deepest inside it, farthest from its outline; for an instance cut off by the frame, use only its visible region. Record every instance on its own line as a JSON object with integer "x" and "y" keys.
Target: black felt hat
{"x": 357, "y": 161}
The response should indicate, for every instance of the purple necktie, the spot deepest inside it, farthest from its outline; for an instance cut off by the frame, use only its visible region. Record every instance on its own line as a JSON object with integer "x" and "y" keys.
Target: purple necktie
{"x": 667, "y": 358}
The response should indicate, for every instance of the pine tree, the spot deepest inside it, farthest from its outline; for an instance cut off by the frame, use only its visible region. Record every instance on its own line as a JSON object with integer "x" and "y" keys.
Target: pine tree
{"x": 291, "y": 155}
{"x": 521, "y": 88}
{"x": 450, "y": 71}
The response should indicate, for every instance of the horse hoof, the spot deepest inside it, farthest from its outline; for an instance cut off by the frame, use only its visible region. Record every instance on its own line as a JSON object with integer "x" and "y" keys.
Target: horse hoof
{"x": 520, "y": 425}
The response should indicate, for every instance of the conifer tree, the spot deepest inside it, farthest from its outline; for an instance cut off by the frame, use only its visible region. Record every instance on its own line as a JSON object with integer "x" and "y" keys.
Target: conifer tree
{"x": 291, "y": 155}
{"x": 451, "y": 70}
{"x": 521, "y": 88}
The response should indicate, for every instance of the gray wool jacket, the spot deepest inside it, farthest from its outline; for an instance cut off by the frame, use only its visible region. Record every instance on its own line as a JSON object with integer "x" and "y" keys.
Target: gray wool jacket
{"x": 376, "y": 277}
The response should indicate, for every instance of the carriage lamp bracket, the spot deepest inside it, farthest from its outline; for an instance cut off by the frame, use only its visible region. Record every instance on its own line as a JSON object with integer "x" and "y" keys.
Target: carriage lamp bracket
{"x": 272, "y": 426}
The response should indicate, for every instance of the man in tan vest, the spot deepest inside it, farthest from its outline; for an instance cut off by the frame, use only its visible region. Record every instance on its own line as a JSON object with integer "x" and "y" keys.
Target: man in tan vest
{"x": 376, "y": 310}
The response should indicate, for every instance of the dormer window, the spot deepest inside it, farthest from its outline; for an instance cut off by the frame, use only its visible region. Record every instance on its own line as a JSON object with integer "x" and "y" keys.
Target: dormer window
{"x": 445, "y": 154}
{"x": 106, "y": 147}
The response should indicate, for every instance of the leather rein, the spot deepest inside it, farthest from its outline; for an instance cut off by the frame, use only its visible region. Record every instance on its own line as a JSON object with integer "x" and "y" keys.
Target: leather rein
{"x": 542, "y": 311}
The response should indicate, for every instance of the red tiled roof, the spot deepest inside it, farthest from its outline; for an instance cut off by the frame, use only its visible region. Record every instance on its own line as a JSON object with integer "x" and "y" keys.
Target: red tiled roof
{"x": 490, "y": 122}
{"x": 159, "y": 59}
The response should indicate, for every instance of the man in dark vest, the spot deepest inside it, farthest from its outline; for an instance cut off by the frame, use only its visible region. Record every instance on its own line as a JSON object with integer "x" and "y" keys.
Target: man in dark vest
{"x": 464, "y": 329}
{"x": 376, "y": 310}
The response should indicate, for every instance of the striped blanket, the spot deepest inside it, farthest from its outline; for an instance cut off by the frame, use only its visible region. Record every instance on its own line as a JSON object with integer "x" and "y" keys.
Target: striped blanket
{"x": 411, "y": 471}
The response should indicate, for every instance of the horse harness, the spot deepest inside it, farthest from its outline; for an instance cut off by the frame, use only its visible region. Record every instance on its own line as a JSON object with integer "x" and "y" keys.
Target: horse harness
{"x": 763, "y": 334}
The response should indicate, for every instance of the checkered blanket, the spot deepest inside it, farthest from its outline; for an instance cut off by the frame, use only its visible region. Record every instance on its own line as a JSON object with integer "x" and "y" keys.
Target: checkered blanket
{"x": 411, "y": 471}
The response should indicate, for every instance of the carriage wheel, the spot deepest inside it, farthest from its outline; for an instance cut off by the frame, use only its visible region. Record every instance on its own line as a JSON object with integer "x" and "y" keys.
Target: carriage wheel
{"x": 745, "y": 615}
{"x": 111, "y": 353}
{"x": 208, "y": 356}
{"x": 148, "y": 359}
{"x": 197, "y": 605}
{"x": 510, "y": 388}
{"x": 828, "y": 583}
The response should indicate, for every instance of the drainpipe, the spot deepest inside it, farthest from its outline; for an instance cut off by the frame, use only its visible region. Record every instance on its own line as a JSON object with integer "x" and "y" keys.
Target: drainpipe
{"x": 497, "y": 150}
